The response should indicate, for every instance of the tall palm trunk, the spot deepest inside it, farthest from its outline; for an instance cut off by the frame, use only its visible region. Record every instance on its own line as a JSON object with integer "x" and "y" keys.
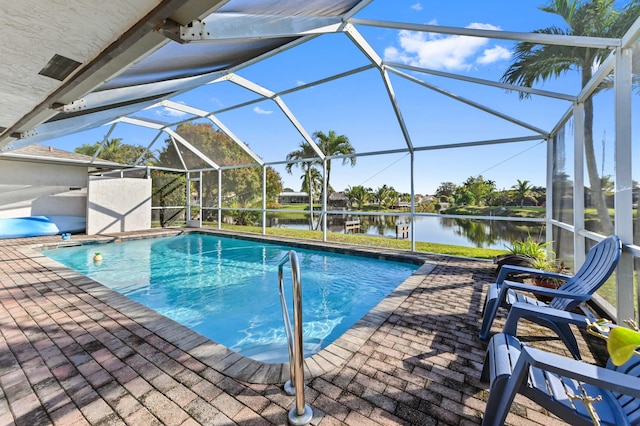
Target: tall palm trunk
{"x": 595, "y": 183}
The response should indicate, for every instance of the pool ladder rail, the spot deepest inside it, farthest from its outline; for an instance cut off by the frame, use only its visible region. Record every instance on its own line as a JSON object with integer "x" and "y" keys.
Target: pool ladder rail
{"x": 301, "y": 413}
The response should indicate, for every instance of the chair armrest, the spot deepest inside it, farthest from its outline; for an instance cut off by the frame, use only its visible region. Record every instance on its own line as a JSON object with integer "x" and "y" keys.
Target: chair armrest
{"x": 525, "y": 310}
{"x": 543, "y": 291}
{"x": 603, "y": 378}
{"x": 514, "y": 269}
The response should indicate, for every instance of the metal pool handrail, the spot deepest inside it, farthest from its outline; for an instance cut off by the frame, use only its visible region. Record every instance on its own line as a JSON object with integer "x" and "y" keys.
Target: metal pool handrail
{"x": 301, "y": 414}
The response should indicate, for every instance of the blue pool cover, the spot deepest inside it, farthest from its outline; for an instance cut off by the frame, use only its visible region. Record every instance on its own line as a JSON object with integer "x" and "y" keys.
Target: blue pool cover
{"x": 35, "y": 226}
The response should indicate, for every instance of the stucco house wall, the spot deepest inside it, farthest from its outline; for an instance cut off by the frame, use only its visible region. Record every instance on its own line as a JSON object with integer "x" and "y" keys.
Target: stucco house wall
{"x": 40, "y": 189}
{"x": 118, "y": 205}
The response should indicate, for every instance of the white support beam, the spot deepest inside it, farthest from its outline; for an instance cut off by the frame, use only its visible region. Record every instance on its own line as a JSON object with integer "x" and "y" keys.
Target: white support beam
{"x": 183, "y": 108}
{"x": 366, "y": 48}
{"x": 237, "y": 140}
{"x": 297, "y": 88}
{"x": 472, "y": 103}
{"x": 396, "y": 109}
{"x": 623, "y": 184}
{"x": 192, "y": 148}
{"x": 578, "y": 185}
{"x": 363, "y": 45}
{"x": 606, "y": 67}
{"x": 250, "y": 85}
{"x": 177, "y": 148}
{"x": 264, "y": 200}
{"x": 549, "y": 181}
{"x": 632, "y": 35}
{"x": 307, "y": 137}
{"x": 143, "y": 123}
{"x": 537, "y": 38}
{"x": 148, "y": 149}
{"x": 104, "y": 141}
{"x": 483, "y": 82}
{"x": 243, "y": 26}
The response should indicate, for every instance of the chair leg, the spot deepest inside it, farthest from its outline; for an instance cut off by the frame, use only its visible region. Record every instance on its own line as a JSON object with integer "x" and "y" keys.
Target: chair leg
{"x": 569, "y": 339}
{"x": 490, "y": 311}
{"x": 497, "y": 408}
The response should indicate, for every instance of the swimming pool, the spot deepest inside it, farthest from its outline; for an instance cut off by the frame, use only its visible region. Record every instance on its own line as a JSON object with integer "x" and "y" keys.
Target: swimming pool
{"x": 227, "y": 288}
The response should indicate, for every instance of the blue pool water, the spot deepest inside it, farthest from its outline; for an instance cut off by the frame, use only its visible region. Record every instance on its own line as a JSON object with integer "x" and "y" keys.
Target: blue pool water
{"x": 227, "y": 289}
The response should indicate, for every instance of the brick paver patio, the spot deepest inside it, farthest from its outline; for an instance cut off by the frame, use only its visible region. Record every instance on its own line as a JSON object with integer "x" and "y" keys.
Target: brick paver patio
{"x": 73, "y": 352}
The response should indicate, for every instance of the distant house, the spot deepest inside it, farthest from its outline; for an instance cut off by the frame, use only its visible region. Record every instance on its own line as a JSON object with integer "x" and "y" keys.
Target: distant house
{"x": 338, "y": 201}
{"x": 293, "y": 197}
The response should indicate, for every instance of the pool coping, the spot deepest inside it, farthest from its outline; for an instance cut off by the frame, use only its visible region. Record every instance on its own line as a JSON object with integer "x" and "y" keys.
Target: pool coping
{"x": 218, "y": 356}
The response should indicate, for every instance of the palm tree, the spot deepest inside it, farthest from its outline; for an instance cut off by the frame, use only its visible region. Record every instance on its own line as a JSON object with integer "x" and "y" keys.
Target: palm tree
{"x": 305, "y": 151}
{"x": 358, "y": 194}
{"x": 332, "y": 144}
{"x": 385, "y": 196}
{"x": 312, "y": 181}
{"x": 537, "y": 63}
{"x": 523, "y": 190}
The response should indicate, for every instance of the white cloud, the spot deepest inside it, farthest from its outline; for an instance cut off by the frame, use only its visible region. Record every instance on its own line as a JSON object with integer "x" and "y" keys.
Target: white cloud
{"x": 259, "y": 110}
{"x": 494, "y": 54}
{"x": 416, "y": 6}
{"x": 448, "y": 52}
{"x": 169, "y": 112}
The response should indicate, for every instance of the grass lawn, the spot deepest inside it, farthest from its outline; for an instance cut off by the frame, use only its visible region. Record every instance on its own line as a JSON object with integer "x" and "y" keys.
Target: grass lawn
{"x": 371, "y": 241}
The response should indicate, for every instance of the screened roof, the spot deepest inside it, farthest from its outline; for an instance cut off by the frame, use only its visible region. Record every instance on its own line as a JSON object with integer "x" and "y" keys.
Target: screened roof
{"x": 152, "y": 65}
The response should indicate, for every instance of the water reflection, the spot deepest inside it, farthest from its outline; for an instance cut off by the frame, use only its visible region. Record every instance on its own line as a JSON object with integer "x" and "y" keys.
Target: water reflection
{"x": 463, "y": 232}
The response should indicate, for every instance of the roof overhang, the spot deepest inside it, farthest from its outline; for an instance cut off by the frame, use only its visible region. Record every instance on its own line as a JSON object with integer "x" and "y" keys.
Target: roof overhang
{"x": 102, "y": 38}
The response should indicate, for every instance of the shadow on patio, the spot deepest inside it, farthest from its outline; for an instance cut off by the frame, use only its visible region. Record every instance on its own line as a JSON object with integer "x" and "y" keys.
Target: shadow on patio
{"x": 70, "y": 356}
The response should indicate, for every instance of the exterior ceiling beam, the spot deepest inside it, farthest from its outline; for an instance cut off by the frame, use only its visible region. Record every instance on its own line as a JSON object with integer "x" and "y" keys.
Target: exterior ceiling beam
{"x": 130, "y": 47}
{"x": 537, "y": 38}
{"x": 242, "y": 26}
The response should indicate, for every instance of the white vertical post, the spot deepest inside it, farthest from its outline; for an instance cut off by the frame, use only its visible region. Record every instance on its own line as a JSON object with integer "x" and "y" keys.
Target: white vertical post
{"x": 187, "y": 214}
{"x": 623, "y": 183}
{"x": 200, "y": 199}
{"x": 264, "y": 199}
{"x": 412, "y": 228}
{"x": 551, "y": 144}
{"x": 578, "y": 185}
{"x": 324, "y": 200}
{"x": 219, "y": 198}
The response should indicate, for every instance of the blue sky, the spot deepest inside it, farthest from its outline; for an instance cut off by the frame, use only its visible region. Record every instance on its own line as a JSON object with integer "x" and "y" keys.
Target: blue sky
{"x": 358, "y": 106}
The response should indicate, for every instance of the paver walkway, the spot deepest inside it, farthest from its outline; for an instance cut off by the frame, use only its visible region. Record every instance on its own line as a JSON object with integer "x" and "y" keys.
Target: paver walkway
{"x": 71, "y": 354}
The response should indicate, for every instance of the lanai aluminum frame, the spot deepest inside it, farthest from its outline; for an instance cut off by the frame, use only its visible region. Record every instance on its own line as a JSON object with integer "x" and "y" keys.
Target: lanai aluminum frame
{"x": 114, "y": 104}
